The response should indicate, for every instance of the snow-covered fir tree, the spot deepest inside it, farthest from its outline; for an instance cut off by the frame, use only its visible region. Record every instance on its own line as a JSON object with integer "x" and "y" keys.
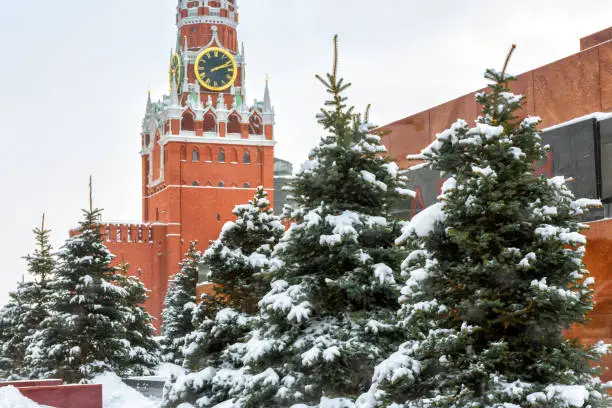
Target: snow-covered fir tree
{"x": 179, "y": 305}
{"x": 144, "y": 350}
{"x": 328, "y": 318}
{"x": 84, "y": 333}
{"x": 236, "y": 264}
{"x": 496, "y": 278}
{"x": 26, "y": 308}
{"x": 14, "y": 329}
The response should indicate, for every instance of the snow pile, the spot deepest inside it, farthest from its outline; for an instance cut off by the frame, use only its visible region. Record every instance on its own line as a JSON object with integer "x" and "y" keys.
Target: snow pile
{"x": 167, "y": 370}
{"x": 423, "y": 223}
{"x": 115, "y": 394}
{"x": 10, "y": 397}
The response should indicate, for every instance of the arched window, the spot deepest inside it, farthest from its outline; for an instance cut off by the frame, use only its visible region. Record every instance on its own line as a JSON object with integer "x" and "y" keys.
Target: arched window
{"x": 255, "y": 125}
{"x": 233, "y": 155}
{"x": 188, "y": 122}
{"x": 218, "y": 217}
{"x": 195, "y": 184}
{"x": 207, "y": 154}
{"x": 247, "y": 185}
{"x": 195, "y": 155}
{"x": 221, "y": 157}
{"x": 221, "y": 184}
{"x": 247, "y": 157}
{"x": 210, "y": 123}
{"x": 233, "y": 123}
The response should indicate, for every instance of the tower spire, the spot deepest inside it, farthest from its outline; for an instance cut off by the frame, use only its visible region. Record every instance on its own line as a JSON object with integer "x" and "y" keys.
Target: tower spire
{"x": 267, "y": 100}
{"x": 149, "y": 103}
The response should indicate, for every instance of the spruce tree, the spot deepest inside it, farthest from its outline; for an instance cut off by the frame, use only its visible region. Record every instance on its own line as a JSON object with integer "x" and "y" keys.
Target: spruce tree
{"x": 144, "y": 350}
{"x": 26, "y": 308}
{"x": 179, "y": 305}
{"x": 237, "y": 263}
{"x": 496, "y": 278}
{"x": 13, "y": 332}
{"x": 84, "y": 333}
{"x": 328, "y": 318}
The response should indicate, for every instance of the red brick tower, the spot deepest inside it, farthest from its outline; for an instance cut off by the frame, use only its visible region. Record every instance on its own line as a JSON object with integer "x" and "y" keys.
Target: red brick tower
{"x": 203, "y": 149}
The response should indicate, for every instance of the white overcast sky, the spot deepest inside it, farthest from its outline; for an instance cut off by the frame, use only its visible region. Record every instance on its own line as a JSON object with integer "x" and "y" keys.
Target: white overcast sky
{"x": 74, "y": 78}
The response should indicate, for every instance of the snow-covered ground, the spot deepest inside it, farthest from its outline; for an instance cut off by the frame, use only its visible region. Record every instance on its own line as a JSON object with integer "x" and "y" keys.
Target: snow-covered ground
{"x": 10, "y": 397}
{"x": 115, "y": 394}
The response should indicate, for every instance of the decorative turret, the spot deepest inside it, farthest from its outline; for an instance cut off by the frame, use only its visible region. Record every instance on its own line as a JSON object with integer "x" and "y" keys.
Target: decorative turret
{"x": 267, "y": 106}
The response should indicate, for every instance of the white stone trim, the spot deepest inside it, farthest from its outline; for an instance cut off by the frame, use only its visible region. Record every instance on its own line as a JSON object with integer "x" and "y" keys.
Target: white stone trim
{"x": 205, "y": 187}
{"x": 219, "y": 140}
{"x": 206, "y": 20}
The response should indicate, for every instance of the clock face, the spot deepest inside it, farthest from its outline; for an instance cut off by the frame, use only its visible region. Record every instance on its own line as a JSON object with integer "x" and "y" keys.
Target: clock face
{"x": 176, "y": 71}
{"x": 216, "y": 69}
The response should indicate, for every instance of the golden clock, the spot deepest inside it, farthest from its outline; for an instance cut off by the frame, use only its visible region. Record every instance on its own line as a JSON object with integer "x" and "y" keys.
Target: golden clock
{"x": 176, "y": 72}
{"x": 216, "y": 69}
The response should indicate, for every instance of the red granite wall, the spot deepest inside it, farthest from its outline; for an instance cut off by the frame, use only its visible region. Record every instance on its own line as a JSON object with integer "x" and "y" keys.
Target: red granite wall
{"x": 566, "y": 89}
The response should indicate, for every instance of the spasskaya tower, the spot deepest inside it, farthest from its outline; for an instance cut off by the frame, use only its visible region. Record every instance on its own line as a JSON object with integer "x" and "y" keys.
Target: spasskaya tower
{"x": 204, "y": 149}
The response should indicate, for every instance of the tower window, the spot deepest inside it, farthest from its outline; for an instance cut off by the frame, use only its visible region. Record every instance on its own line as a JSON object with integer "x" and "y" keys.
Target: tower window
{"x": 255, "y": 125}
{"x": 195, "y": 184}
{"x": 233, "y": 155}
{"x": 247, "y": 185}
{"x": 210, "y": 124}
{"x": 108, "y": 233}
{"x": 233, "y": 124}
{"x": 218, "y": 217}
{"x": 195, "y": 155}
{"x": 247, "y": 157}
{"x": 221, "y": 157}
{"x": 207, "y": 154}
{"x": 221, "y": 184}
{"x": 129, "y": 234}
{"x": 118, "y": 234}
{"x": 139, "y": 233}
{"x": 188, "y": 122}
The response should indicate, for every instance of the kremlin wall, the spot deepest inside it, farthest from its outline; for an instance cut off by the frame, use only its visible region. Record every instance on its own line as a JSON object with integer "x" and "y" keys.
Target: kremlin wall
{"x": 573, "y": 96}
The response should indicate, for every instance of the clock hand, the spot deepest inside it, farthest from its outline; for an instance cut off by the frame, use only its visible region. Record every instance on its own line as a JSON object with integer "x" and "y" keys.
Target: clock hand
{"x": 227, "y": 64}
